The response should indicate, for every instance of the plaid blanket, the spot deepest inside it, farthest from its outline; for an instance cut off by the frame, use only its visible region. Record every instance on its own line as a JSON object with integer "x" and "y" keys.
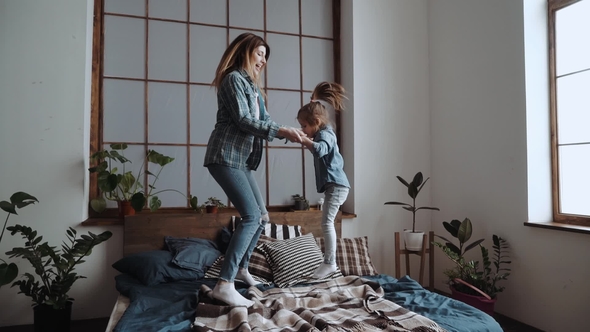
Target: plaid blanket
{"x": 343, "y": 304}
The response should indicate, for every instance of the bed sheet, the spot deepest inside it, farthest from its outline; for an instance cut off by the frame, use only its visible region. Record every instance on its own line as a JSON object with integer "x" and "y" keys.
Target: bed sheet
{"x": 454, "y": 316}
{"x": 171, "y": 307}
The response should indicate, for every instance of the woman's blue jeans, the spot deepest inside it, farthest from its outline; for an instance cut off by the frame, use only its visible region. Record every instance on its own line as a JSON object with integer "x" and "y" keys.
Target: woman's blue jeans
{"x": 335, "y": 196}
{"x": 243, "y": 192}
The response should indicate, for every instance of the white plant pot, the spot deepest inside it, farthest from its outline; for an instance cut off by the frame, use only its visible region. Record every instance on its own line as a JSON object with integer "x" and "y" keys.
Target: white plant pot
{"x": 413, "y": 240}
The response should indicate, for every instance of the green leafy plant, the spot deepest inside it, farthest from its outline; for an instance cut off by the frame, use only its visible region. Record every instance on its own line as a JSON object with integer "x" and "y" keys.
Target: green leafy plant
{"x": 467, "y": 273}
{"x": 54, "y": 267}
{"x": 18, "y": 200}
{"x": 414, "y": 189}
{"x": 301, "y": 203}
{"x": 211, "y": 205}
{"x": 214, "y": 201}
{"x": 123, "y": 185}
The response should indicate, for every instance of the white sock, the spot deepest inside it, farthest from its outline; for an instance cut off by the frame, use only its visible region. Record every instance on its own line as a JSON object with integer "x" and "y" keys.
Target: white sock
{"x": 227, "y": 293}
{"x": 323, "y": 270}
{"x": 245, "y": 276}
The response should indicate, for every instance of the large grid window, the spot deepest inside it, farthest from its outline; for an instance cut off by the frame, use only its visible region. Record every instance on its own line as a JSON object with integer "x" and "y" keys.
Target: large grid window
{"x": 569, "y": 27}
{"x": 154, "y": 63}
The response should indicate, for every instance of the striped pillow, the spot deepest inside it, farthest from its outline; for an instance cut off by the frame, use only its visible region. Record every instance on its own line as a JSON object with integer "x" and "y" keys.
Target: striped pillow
{"x": 276, "y": 231}
{"x": 293, "y": 260}
{"x": 258, "y": 265}
{"x": 352, "y": 256}
{"x": 281, "y": 232}
{"x": 215, "y": 269}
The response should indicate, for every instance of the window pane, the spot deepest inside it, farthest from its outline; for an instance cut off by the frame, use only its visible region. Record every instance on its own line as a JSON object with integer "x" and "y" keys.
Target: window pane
{"x": 209, "y": 11}
{"x": 282, "y": 16}
{"x": 167, "y": 49}
{"x": 286, "y": 176}
{"x": 207, "y": 45}
{"x": 124, "y": 47}
{"x": 246, "y": 14}
{"x": 283, "y": 67}
{"x": 124, "y": 109}
{"x": 571, "y": 29}
{"x": 173, "y": 176}
{"x": 573, "y": 108}
{"x": 316, "y": 18}
{"x": 136, "y": 154}
{"x": 168, "y": 9}
{"x": 167, "y": 113}
{"x": 574, "y": 178}
{"x": 318, "y": 62}
{"x": 202, "y": 183}
{"x": 203, "y": 113}
{"x": 283, "y": 107}
{"x": 129, "y": 7}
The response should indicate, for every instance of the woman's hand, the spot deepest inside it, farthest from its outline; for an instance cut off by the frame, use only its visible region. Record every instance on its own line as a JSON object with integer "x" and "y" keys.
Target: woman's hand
{"x": 292, "y": 134}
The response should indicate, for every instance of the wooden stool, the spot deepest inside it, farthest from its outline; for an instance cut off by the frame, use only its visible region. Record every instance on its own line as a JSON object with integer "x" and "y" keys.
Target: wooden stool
{"x": 427, "y": 248}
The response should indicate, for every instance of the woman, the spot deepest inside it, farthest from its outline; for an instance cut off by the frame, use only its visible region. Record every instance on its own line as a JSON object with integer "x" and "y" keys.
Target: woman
{"x": 234, "y": 151}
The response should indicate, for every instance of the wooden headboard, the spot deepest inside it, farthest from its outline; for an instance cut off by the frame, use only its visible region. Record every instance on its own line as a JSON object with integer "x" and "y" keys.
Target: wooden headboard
{"x": 146, "y": 231}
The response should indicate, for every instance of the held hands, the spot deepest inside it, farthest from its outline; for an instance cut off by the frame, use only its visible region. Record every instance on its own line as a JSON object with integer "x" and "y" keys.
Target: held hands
{"x": 292, "y": 134}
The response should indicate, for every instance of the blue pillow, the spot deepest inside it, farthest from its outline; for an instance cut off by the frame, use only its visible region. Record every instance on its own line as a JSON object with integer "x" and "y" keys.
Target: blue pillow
{"x": 154, "y": 267}
{"x": 192, "y": 253}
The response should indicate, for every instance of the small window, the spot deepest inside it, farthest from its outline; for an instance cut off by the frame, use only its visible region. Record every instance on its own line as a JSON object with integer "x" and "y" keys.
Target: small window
{"x": 569, "y": 53}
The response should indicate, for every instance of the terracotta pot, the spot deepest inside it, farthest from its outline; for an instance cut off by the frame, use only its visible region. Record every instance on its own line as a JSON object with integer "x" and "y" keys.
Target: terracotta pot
{"x": 211, "y": 209}
{"x": 478, "y": 302}
{"x": 125, "y": 209}
{"x": 47, "y": 319}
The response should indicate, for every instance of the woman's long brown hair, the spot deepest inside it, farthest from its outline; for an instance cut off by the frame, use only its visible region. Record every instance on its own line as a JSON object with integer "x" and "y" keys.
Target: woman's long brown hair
{"x": 238, "y": 55}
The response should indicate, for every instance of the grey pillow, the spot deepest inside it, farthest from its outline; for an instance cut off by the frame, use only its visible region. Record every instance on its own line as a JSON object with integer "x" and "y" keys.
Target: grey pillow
{"x": 154, "y": 267}
{"x": 192, "y": 253}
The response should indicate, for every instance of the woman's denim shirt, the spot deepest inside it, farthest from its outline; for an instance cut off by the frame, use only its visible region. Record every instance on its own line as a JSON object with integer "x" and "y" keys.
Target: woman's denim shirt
{"x": 237, "y": 139}
{"x": 328, "y": 162}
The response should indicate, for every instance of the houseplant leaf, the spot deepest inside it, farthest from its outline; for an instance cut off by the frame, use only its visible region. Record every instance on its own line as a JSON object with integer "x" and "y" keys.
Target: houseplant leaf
{"x": 8, "y": 273}
{"x": 464, "y": 231}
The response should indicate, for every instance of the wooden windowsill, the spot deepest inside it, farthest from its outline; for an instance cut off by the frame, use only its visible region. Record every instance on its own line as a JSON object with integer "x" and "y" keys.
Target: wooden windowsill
{"x": 109, "y": 219}
{"x": 559, "y": 227}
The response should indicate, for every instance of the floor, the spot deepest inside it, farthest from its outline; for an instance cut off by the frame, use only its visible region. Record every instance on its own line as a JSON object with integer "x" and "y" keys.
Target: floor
{"x": 87, "y": 325}
{"x": 100, "y": 324}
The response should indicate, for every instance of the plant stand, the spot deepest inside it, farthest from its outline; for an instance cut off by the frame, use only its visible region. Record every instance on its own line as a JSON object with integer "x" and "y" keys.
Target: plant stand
{"x": 422, "y": 253}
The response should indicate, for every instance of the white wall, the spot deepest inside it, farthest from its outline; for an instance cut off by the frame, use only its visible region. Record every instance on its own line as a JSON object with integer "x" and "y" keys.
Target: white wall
{"x": 480, "y": 111}
{"x": 388, "y": 74}
{"x": 44, "y": 107}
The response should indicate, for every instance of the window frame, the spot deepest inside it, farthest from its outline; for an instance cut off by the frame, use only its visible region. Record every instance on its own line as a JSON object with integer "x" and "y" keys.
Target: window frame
{"x": 558, "y": 217}
{"x": 96, "y": 114}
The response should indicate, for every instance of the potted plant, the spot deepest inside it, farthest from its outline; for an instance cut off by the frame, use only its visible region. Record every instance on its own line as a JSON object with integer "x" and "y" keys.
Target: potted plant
{"x": 469, "y": 281}
{"x": 213, "y": 204}
{"x": 123, "y": 186}
{"x": 300, "y": 203}
{"x": 413, "y": 239}
{"x": 18, "y": 200}
{"x": 55, "y": 268}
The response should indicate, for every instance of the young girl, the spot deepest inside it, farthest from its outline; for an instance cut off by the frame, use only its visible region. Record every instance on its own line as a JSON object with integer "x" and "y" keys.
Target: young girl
{"x": 328, "y": 163}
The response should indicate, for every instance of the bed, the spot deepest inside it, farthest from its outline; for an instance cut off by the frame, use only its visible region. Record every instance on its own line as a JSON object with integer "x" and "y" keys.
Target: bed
{"x": 171, "y": 262}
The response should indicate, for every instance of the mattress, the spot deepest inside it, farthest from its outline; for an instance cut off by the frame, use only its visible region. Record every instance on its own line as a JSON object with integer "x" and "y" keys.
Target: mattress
{"x": 118, "y": 310}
